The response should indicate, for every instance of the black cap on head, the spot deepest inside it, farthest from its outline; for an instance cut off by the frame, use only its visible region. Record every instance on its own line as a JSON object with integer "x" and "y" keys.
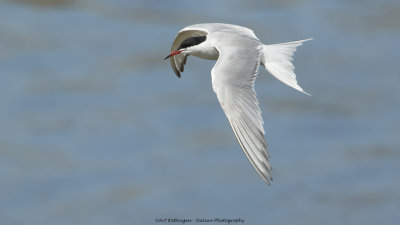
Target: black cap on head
{"x": 192, "y": 41}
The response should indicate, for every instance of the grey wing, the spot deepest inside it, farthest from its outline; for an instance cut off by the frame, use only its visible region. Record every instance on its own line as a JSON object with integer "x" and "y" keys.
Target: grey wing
{"x": 178, "y": 61}
{"x": 233, "y": 79}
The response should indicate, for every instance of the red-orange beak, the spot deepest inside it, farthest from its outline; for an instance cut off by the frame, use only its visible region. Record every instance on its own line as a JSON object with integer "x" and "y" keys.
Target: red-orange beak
{"x": 174, "y": 53}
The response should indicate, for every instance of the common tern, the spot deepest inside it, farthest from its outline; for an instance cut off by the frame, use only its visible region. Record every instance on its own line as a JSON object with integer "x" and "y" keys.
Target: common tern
{"x": 239, "y": 54}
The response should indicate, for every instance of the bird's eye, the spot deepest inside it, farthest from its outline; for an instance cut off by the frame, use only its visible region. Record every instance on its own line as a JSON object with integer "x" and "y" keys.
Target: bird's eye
{"x": 192, "y": 41}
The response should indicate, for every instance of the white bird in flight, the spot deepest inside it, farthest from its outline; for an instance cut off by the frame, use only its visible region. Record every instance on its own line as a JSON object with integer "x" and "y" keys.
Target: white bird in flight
{"x": 239, "y": 54}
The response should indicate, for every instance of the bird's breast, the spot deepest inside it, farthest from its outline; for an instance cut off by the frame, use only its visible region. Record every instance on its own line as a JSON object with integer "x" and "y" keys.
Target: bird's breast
{"x": 204, "y": 50}
{"x": 207, "y": 52}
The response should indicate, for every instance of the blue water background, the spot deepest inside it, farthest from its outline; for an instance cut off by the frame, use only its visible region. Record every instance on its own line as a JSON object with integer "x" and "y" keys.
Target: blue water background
{"x": 96, "y": 129}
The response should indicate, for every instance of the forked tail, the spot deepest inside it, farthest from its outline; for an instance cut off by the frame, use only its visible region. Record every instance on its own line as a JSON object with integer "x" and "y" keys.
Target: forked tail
{"x": 277, "y": 59}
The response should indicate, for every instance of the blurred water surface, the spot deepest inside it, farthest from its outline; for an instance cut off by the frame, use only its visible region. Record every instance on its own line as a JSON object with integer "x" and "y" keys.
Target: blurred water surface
{"x": 96, "y": 128}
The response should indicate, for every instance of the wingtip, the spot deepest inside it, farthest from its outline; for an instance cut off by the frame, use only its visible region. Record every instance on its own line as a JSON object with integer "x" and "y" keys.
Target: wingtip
{"x": 298, "y": 88}
{"x": 267, "y": 180}
{"x": 304, "y": 40}
{"x": 307, "y": 93}
{"x": 308, "y": 39}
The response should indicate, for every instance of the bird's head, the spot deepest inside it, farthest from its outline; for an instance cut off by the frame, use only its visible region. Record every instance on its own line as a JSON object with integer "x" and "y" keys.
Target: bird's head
{"x": 187, "y": 46}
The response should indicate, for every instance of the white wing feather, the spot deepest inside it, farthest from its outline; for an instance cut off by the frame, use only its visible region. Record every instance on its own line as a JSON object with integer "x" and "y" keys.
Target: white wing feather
{"x": 233, "y": 79}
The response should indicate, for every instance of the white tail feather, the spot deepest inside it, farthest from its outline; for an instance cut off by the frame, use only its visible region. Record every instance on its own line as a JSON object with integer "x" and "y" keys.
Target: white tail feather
{"x": 277, "y": 59}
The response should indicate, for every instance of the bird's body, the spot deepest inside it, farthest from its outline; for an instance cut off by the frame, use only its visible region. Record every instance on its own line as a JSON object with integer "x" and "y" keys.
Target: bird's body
{"x": 239, "y": 54}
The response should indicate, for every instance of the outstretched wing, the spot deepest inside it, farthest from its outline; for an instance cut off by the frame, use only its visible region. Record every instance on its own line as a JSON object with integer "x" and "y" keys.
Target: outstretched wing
{"x": 178, "y": 61}
{"x": 233, "y": 79}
